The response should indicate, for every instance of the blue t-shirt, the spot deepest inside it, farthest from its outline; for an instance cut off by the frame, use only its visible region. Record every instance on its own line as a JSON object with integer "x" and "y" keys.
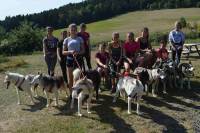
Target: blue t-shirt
{"x": 176, "y": 37}
{"x": 73, "y": 44}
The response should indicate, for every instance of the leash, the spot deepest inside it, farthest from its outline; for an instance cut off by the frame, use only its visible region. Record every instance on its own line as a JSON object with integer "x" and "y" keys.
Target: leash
{"x": 78, "y": 65}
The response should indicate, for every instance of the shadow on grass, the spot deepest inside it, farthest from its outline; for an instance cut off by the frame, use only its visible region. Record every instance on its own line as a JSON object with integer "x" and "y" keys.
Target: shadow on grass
{"x": 38, "y": 105}
{"x": 171, "y": 125}
{"x": 107, "y": 114}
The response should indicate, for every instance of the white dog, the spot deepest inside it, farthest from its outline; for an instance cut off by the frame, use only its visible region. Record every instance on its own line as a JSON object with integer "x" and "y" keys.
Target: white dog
{"x": 133, "y": 89}
{"x": 21, "y": 84}
{"x": 82, "y": 88}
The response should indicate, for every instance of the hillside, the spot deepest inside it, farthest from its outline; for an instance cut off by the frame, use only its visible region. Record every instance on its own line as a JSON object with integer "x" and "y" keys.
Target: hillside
{"x": 157, "y": 20}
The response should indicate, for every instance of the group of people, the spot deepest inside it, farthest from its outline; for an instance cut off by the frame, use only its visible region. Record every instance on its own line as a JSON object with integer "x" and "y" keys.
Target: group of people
{"x": 74, "y": 47}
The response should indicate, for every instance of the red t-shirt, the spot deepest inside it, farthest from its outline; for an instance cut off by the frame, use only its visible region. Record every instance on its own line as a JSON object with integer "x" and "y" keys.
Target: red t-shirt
{"x": 85, "y": 36}
{"x": 103, "y": 57}
{"x": 131, "y": 48}
{"x": 162, "y": 53}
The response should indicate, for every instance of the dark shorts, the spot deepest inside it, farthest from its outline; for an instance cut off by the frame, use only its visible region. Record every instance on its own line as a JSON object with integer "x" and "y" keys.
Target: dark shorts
{"x": 70, "y": 61}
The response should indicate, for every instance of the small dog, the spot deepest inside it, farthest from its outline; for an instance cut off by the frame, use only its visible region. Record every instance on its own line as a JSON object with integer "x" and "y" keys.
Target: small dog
{"x": 133, "y": 89}
{"x": 50, "y": 85}
{"x": 82, "y": 88}
{"x": 21, "y": 84}
{"x": 90, "y": 74}
{"x": 185, "y": 72}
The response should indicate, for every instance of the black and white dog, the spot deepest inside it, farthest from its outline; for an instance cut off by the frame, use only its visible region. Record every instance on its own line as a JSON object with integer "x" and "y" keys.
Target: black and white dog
{"x": 185, "y": 72}
{"x": 152, "y": 77}
{"x": 21, "y": 84}
{"x": 90, "y": 74}
{"x": 50, "y": 85}
{"x": 133, "y": 88}
{"x": 82, "y": 88}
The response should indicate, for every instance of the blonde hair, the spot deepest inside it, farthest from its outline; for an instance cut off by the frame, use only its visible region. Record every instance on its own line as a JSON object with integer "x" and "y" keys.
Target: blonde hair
{"x": 73, "y": 25}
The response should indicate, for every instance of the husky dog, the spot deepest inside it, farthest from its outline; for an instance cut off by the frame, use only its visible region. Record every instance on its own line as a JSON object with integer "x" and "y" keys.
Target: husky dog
{"x": 185, "y": 71}
{"x": 30, "y": 77}
{"x": 154, "y": 76}
{"x": 82, "y": 88}
{"x": 21, "y": 84}
{"x": 50, "y": 85}
{"x": 133, "y": 88}
{"x": 90, "y": 74}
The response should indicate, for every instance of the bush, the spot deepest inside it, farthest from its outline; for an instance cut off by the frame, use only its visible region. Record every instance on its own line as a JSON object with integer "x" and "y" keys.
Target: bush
{"x": 158, "y": 36}
{"x": 22, "y": 40}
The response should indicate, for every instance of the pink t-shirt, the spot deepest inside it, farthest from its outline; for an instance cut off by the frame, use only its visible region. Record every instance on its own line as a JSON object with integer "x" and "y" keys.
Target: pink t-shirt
{"x": 131, "y": 48}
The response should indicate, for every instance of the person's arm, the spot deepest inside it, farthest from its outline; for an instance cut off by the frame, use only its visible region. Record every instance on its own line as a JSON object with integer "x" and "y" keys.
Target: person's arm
{"x": 100, "y": 63}
{"x": 58, "y": 51}
{"x": 171, "y": 40}
{"x": 44, "y": 47}
{"x": 82, "y": 51}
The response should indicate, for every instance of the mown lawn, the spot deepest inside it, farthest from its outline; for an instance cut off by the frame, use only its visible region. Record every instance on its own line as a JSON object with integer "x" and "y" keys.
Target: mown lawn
{"x": 174, "y": 112}
{"x": 157, "y": 21}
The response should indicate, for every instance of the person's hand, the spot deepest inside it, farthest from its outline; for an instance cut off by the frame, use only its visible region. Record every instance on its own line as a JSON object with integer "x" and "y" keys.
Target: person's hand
{"x": 130, "y": 61}
{"x": 104, "y": 66}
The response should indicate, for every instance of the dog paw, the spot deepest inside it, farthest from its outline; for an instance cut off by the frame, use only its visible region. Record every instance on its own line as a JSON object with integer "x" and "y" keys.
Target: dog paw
{"x": 79, "y": 114}
{"x": 129, "y": 112}
{"x": 89, "y": 112}
{"x": 154, "y": 95}
{"x": 164, "y": 92}
{"x": 139, "y": 113}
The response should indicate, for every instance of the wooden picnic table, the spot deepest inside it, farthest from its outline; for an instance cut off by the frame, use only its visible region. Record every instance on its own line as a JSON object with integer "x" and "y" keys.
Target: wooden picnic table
{"x": 189, "y": 47}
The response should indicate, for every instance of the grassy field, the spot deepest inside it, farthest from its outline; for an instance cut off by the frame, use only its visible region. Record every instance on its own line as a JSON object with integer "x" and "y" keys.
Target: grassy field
{"x": 174, "y": 112}
{"x": 157, "y": 21}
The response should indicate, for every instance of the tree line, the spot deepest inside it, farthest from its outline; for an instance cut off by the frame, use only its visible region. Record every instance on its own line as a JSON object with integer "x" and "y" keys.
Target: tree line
{"x": 91, "y": 11}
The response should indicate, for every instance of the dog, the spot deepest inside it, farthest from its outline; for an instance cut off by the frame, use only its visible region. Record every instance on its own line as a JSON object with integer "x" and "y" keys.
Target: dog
{"x": 50, "y": 85}
{"x": 30, "y": 78}
{"x": 90, "y": 74}
{"x": 81, "y": 89}
{"x": 154, "y": 76}
{"x": 21, "y": 84}
{"x": 133, "y": 88}
{"x": 185, "y": 72}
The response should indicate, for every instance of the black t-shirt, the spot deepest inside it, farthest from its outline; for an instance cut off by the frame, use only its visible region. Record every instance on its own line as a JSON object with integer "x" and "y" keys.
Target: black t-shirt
{"x": 60, "y": 46}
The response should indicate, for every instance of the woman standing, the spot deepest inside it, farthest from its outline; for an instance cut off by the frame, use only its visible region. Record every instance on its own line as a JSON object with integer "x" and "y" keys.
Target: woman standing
{"x": 61, "y": 57}
{"x": 49, "y": 49}
{"x": 177, "y": 39}
{"x": 86, "y": 38}
{"x": 115, "y": 52}
{"x": 73, "y": 48}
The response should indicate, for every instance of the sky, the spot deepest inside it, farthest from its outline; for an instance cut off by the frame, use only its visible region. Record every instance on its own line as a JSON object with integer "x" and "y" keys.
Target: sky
{"x": 16, "y": 7}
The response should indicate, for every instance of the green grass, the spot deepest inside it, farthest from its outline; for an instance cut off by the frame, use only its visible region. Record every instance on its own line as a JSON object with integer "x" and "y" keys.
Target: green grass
{"x": 11, "y": 62}
{"x": 157, "y": 21}
{"x": 167, "y": 113}
{"x": 159, "y": 113}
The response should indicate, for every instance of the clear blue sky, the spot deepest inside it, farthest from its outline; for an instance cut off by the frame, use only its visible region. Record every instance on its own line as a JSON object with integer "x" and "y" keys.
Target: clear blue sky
{"x": 16, "y": 7}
